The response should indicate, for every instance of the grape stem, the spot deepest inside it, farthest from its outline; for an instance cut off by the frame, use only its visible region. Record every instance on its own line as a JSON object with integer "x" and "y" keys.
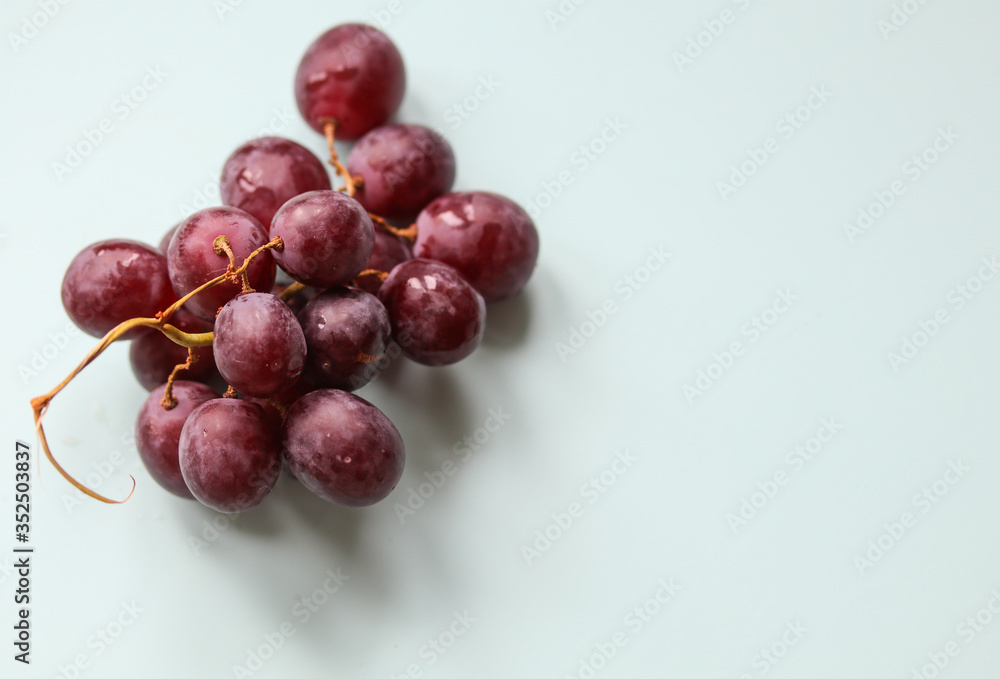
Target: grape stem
{"x": 221, "y": 245}
{"x": 40, "y": 404}
{"x": 329, "y": 131}
{"x": 169, "y": 402}
{"x": 352, "y": 183}
{"x": 381, "y": 275}
{"x": 292, "y": 290}
{"x": 409, "y": 233}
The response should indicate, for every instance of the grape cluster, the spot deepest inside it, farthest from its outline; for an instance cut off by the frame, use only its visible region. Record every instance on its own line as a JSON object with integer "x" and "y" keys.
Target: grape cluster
{"x": 292, "y": 289}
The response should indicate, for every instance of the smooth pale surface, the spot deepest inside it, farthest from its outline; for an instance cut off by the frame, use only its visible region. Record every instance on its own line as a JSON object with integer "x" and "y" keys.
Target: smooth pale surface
{"x": 653, "y": 188}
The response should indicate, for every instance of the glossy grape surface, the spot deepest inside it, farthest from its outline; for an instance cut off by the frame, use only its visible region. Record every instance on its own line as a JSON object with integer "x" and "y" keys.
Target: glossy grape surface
{"x": 342, "y": 448}
{"x": 274, "y": 404}
{"x": 328, "y": 238}
{"x": 165, "y": 241}
{"x": 158, "y": 432}
{"x": 112, "y": 281}
{"x": 389, "y": 252}
{"x": 230, "y": 454}
{"x": 192, "y": 260}
{"x": 487, "y": 237}
{"x": 354, "y": 74}
{"x": 265, "y": 173}
{"x": 259, "y": 345}
{"x": 403, "y": 168}
{"x": 346, "y": 330}
{"x": 436, "y": 316}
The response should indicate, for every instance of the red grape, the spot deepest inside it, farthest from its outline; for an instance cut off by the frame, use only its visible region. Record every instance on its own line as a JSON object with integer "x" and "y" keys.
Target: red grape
{"x": 273, "y": 404}
{"x": 436, "y": 316}
{"x": 230, "y": 454}
{"x": 112, "y": 281}
{"x": 342, "y": 448}
{"x": 153, "y": 355}
{"x": 354, "y": 74}
{"x": 193, "y": 261}
{"x": 345, "y": 329}
{"x": 265, "y": 173}
{"x": 487, "y": 237}
{"x": 165, "y": 241}
{"x": 328, "y": 238}
{"x": 403, "y": 168}
{"x": 259, "y": 346}
{"x": 158, "y": 431}
{"x": 389, "y": 252}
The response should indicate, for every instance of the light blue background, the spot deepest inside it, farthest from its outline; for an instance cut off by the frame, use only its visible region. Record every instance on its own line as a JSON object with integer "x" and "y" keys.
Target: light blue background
{"x": 227, "y": 76}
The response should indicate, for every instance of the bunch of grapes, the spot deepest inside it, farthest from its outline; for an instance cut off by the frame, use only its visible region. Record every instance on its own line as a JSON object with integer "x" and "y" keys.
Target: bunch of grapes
{"x": 390, "y": 259}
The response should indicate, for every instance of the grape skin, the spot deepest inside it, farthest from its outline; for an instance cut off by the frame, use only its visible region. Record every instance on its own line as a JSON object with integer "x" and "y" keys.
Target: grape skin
{"x": 265, "y": 173}
{"x": 488, "y": 238}
{"x": 342, "y": 448}
{"x": 192, "y": 260}
{"x": 328, "y": 238}
{"x": 259, "y": 346}
{"x": 354, "y": 74}
{"x": 165, "y": 241}
{"x": 436, "y": 316}
{"x": 274, "y": 405}
{"x": 230, "y": 454}
{"x": 403, "y": 168}
{"x": 341, "y": 325}
{"x": 158, "y": 432}
{"x": 111, "y": 281}
{"x": 389, "y": 252}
